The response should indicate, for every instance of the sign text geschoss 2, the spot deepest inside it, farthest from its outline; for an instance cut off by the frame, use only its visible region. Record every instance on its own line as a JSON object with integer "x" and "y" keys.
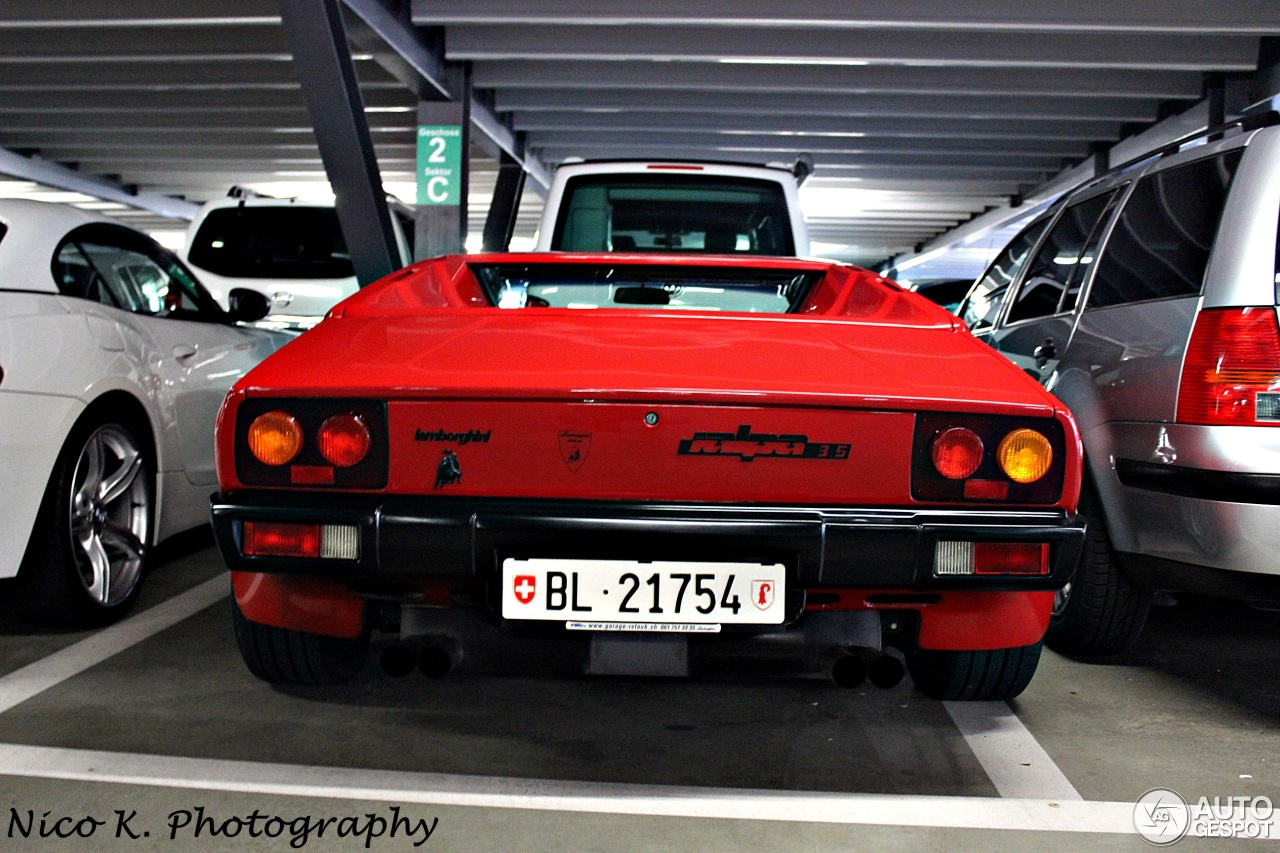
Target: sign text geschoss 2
{"x": 440, "y": 164}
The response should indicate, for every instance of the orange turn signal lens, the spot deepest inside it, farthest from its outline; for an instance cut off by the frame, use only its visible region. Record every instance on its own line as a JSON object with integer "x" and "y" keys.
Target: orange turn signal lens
{"x": 275, "y": 438}
{"x": 956, "y": 453}
{"x": 1024, "y": 455}
{"x": 343, "y": 440}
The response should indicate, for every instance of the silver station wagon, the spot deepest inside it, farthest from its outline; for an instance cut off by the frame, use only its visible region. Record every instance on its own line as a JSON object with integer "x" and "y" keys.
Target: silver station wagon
{"x": 1146, "y": 301}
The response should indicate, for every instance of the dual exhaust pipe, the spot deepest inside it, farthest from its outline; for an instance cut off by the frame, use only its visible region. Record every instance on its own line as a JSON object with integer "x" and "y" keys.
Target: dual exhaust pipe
{"x": 434, "y": 657}
{"x": 851, "y": 667}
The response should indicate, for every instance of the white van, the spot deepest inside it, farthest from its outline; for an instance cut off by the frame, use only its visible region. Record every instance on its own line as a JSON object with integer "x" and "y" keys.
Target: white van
{"x": 673, "y": 206}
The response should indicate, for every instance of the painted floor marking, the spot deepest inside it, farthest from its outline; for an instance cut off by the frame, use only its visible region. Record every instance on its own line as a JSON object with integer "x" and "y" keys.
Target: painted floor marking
{"x": 547, "y": 795}
{"x": 17, "y": 687}
{"x": 1014, "y": 760}
{"x": 1034, "y": 792}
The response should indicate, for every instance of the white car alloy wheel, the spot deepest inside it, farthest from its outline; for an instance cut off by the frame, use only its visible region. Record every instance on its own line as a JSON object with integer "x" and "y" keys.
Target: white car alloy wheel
{"x": 110, "y": 514}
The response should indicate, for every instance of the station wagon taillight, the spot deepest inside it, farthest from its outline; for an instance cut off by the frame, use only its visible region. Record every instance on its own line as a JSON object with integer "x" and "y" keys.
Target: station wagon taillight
{"x": 1231, "y": 373}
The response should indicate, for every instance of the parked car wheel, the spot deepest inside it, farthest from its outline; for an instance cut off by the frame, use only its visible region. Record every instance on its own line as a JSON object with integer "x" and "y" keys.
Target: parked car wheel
{"x": 1100, "y": 612}
{"x": 990, "y": 675}
{"x": 88, "y": 550}
{"x": 283, "y": 656}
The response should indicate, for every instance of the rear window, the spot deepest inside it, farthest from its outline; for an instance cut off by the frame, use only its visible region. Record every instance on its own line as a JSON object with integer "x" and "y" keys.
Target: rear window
{"x": 1159, "y": 246}
{"x": 272, "y": 242}
{"x": 673, "y": 213}
{"x": 764, "y": 291}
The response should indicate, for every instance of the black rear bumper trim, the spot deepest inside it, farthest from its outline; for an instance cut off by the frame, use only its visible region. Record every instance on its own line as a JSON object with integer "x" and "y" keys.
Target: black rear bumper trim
{"x": 467, "y": 538}
{"x": 1229, "y": 486}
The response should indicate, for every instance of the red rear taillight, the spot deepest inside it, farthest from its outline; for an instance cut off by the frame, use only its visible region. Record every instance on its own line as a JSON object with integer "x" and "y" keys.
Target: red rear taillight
{"x": 991, "y": 558}
{"x": 273, "y": 539}
{"x": 1231, "y": 373}
{"x": 343, "y": 440}
{"x": 956, "y": 453}
{"x": 301, "y": 541}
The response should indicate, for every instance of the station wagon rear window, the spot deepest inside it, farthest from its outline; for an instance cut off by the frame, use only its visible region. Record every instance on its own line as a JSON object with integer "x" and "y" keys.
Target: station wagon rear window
{"x": 673, "y": 213}
{"x": 272, "y": 242}
{"x": 766, "y": 291}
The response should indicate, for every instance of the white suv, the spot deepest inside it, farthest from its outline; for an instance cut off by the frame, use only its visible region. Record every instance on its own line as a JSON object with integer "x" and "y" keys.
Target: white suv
{"x": 291, "y": 251}
{"x": 666, "y": 206}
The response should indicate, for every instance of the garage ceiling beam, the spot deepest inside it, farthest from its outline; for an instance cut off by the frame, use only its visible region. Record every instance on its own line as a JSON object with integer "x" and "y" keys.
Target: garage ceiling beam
{"x": 903, "y": 79}
{"x": 133, "y": 13}
{"x": 144, "y": 44}
{"x": 404, "y": 56}
{"x": 317, "y": 37}
{"x": 181, "y": 99}
{"x": 284, "y": 124}
{"x": 1188, "y": 16}
{"x": 694, "y": 136}
{"x": 1173, "y": 52}
{"x": 799, "y": 122}
{"x": 55, "y": 175}
{"x": 249, "y": 73}
{"x": 1020, "y": 163}
{"x": 937, "y": 107}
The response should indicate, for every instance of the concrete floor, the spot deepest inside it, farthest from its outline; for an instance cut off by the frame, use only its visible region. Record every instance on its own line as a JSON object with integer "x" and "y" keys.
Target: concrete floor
{"x": 621, "y": 764}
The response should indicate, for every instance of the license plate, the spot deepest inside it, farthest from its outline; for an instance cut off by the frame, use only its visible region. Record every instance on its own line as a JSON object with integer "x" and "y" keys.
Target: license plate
{"x": 667, "y": 593}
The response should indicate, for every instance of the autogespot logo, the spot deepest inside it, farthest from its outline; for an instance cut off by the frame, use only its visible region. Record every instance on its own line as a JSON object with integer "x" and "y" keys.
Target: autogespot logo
{"x": 1161, "y": 816}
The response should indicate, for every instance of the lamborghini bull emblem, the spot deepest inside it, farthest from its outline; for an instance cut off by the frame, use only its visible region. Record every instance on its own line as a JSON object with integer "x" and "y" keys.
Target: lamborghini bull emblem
{"x": 449, "y": 471}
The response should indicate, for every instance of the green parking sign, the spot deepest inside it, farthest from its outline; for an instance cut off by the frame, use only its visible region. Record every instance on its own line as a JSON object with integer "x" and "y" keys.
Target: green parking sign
{"x": 440, "y": 164}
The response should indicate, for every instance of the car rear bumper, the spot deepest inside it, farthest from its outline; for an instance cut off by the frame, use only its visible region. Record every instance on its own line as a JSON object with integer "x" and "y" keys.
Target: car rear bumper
{"x": 1212, "y": 519}
{"x": 466, "y": 539}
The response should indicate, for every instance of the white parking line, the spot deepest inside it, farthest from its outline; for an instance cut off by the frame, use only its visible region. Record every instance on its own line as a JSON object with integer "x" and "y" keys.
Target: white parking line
{"x": 19, "y": 686}
{"x": 1022, "y": 772}
{"x": 547, "y": 795}
{"x": 1014, "y": 760}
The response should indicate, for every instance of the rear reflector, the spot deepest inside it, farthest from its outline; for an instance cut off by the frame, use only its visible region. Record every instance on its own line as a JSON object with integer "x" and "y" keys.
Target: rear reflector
{"x": 991, "y": 558}
{"x": 1231, "y": 368}
{"x": 305, "y": 541}
{"x": 986, "y": 490}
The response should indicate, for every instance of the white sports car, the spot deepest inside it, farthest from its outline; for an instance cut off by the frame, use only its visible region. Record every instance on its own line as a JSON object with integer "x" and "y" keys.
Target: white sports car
{"x": 113, "y": 362}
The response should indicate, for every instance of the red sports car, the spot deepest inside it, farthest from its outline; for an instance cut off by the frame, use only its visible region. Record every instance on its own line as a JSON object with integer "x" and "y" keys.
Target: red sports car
{"x": 640, "y": 454}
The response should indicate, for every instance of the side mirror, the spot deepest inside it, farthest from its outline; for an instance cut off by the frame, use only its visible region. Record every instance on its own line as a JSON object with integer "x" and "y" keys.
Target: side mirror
{"x": 247, "y": 306}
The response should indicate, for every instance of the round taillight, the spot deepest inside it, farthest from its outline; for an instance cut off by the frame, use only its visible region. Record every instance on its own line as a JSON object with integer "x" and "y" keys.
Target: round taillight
{"x": 343, "y": 440}
{"x": 275, "y": 438}
{"x": 956, "y": 452}
{"x": 1025, "y": 455}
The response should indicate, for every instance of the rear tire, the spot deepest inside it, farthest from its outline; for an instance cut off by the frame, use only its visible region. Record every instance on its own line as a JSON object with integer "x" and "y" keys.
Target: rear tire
{"x": 85, "y": 562}
{"x": 1101, "y": 611}
{"x": 997, "y": 674}
{"x": 297, "y": 658}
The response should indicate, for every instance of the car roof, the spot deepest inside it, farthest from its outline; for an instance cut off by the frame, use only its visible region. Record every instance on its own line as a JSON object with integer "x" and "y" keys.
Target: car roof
{"x": 33, "y": 231}
{"x": 688, "y": 167}
{"x": 260, "y": 201}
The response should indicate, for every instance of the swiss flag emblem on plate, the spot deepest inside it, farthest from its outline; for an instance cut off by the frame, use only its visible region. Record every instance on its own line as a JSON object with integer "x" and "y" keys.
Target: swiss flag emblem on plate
{"x": 525, "y": 587}
{"x": 762, "y": 594}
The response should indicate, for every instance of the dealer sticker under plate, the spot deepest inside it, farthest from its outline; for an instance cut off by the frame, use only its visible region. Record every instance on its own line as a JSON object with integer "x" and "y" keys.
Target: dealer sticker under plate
{"x": 619, "y": 595}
